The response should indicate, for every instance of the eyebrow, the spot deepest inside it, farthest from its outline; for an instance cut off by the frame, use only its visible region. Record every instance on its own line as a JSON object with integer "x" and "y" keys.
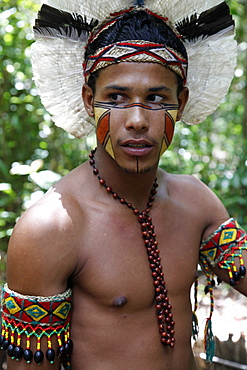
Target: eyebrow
{"x": 116, "y": 87}
{"x": 159, "y": 88}
{"x": 124, "y": 88}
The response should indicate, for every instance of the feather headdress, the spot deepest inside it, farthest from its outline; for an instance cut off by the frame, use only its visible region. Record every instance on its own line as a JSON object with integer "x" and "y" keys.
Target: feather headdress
{"x": 62, "y": 30}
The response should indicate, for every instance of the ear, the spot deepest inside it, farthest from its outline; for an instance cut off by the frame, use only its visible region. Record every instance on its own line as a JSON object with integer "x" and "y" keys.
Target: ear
{"x": 88, "y": 97}
{"x": 183, "y": 97}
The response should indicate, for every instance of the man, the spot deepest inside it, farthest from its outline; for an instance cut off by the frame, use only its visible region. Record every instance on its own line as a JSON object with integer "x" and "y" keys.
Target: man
{"x": 123, "y": 234}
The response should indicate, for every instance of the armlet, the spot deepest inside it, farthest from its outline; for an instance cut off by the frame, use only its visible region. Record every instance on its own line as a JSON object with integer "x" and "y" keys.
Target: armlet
{"x": 223, "y": 247}
{"x": 25, "y": 317}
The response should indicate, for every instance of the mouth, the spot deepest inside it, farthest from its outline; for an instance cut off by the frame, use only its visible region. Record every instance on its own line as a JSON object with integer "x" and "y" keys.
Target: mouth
{"x": 137, "y": 146}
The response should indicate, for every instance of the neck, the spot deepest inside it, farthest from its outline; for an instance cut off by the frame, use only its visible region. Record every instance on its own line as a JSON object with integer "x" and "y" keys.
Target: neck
{"x": 134, "y": 187}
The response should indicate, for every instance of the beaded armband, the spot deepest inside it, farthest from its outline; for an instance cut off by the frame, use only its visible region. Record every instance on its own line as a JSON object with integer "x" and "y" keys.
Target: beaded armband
{"x": 223, "y": 247}
{"x": 25, "y": 317}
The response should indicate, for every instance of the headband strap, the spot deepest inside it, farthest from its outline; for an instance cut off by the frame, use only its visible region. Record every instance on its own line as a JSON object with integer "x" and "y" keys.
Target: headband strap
{"x": 136, "y": 51}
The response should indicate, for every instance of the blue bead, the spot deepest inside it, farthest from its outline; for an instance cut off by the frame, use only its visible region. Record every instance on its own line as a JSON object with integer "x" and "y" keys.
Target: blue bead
{"x": 232, "y": 282}
{"x": 18, "y": 353}
{"x": 70, "y": 343}
{"x": 242, "y": 271}
{"x": 61, "y": 351}
{"x": 10, "y": 350}
{"x": 236, "y": 276}
{"x": 38, "y": 357}
{"x": 6, "y": 344}
{"x": 28, "y": 355}
{"x": 50, "y": 355}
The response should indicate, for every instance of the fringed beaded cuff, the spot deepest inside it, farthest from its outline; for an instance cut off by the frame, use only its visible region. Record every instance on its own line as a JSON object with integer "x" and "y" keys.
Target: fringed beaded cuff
{"x": 25, "y": 317}
{"x": 223, "y": 247}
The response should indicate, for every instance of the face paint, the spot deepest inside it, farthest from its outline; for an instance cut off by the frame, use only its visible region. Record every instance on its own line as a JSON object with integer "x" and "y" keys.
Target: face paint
{"x": 102, "y": 114}
{"x": 170, "y": 119}
{"x": 102, "y": 118}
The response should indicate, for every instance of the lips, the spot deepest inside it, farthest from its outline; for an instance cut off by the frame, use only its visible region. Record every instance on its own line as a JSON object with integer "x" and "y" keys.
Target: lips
{"x": 136, "y": 147}
{"x": 137, "y": 144}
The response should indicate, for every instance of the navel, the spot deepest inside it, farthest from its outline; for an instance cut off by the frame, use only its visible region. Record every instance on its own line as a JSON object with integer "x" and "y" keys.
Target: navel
{"x": 119, "y": 301}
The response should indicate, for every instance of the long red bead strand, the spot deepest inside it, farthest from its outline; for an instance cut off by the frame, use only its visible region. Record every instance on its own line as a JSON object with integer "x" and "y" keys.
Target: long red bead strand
{"x": 163, "y": 306}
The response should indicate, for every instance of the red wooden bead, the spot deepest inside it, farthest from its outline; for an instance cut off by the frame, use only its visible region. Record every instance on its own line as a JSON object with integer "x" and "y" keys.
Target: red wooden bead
{"x": 162, "y": 306}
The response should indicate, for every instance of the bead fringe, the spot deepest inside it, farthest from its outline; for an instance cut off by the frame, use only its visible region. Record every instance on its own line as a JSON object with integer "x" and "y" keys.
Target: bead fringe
{"x": 13, "y": 333}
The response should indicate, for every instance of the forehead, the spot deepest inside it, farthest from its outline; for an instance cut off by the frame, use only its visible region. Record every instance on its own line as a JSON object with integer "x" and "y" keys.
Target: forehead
{"x": 136, "y": 75}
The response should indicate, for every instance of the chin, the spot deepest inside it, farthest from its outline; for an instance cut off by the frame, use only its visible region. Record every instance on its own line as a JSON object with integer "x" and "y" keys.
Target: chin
{"x": 136, "y": 170}
{"x": 137, "y": 166}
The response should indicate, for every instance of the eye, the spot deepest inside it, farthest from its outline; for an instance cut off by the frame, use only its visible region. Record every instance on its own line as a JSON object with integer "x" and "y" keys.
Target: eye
{"x": 117, "y": 98}
{"x": 153, "y": 98}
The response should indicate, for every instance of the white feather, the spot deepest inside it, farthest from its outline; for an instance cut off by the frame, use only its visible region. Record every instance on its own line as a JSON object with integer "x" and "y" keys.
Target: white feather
{"x": 97, "y": 9}
{"x": 57, "y": 63}
{"x": 211, "y": 67}
{"x": 57, "y": 69}
{"x": 176, "y": 10}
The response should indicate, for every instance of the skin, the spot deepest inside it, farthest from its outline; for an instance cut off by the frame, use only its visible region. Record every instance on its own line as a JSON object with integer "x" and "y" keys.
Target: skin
{"x": 77, "y": 234}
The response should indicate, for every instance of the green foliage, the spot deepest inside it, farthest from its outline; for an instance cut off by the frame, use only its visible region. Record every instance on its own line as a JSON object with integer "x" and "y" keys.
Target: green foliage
{"x": 34, "y": 153}
{"x": 30, "y": 145}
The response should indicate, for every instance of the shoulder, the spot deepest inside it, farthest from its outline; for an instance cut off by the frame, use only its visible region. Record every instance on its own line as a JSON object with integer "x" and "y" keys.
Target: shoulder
{"x": 42, "y": 251}
{"x": 186, "y": 186}
{"x": 193, "y": 195}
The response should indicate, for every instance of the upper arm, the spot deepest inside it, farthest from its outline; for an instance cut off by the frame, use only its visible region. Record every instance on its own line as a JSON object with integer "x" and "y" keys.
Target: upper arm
{"x": 224, "y": 252}
{"x": 215, "y": 215}
{"x": 40, "y": 260}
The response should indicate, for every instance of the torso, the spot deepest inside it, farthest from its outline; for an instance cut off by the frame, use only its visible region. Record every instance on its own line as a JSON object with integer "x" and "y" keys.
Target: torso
{"x": 114, "y": 321}
{"x": 95, "y": 244}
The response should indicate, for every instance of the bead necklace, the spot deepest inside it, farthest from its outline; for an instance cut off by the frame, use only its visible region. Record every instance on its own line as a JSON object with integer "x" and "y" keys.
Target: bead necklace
{"x": 163, "y": 307}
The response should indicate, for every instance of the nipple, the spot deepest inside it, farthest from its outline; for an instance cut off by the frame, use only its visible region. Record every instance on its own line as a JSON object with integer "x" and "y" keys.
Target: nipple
{"x": 119, "y": 301}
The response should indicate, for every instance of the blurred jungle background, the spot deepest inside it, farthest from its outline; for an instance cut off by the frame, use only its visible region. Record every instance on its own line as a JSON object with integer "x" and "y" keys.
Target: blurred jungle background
{"x": 34, "y": 153}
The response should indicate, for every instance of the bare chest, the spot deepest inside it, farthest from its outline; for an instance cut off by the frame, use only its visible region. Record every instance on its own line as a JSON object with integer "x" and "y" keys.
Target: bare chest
{"x": 115, "y": 267}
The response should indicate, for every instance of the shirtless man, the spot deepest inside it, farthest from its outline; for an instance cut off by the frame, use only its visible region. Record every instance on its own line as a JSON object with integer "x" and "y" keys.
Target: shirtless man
{"x": 88, "y": 232}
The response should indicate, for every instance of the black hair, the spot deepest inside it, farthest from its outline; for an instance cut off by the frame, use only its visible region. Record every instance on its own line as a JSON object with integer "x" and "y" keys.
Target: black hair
{"x": 136, "y": 25}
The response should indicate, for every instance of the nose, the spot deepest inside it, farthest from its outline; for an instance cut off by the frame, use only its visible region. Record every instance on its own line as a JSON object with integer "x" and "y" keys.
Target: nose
{"x": 137, "y": 119}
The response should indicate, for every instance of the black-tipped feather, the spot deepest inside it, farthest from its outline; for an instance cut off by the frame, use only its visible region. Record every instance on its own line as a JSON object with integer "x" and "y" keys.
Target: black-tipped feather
{"x": 207, "y": 23}
{"x": 54, "y": 22}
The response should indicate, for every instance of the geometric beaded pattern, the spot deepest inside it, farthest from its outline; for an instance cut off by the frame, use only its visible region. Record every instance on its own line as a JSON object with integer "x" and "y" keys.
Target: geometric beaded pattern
{"x": 228, "y": 241}
{"x": 25, "y": 317}
{"x": 136, "y": 51}
{"x": 222, "y": 248}
{"x": 32, "y": 310}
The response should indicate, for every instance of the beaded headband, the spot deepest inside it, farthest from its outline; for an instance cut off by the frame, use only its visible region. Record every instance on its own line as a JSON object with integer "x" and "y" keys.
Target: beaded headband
{"x": 205, "y": 27}
{"x": 136, "y": 51}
